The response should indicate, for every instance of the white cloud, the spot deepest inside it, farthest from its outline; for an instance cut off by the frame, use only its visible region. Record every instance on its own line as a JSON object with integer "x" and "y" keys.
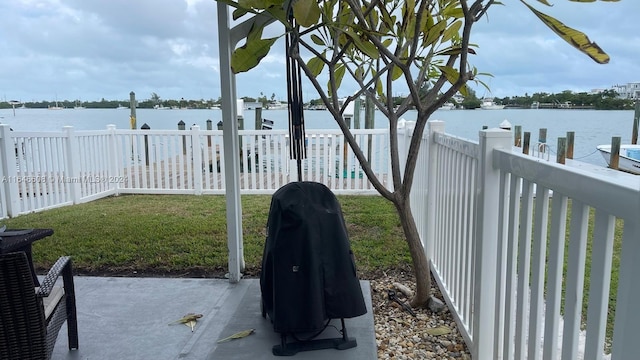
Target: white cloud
{"x": 95, "y": 49}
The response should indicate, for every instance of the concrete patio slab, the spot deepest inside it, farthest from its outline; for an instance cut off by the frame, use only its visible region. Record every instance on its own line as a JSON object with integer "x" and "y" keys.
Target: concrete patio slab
{"x": 127, "y": 318}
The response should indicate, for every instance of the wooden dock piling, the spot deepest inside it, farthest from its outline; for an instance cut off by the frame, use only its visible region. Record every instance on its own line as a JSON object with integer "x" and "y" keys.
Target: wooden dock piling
{"x": 571, "y": 135}
{"x": 614, "y": 161}
{"x": 562, "y": 149}
{"x": 527, "y": 139}
{"x": 181, "y": 126}
{"x": 146, "y": 143}
{"x": 517, "y": 135}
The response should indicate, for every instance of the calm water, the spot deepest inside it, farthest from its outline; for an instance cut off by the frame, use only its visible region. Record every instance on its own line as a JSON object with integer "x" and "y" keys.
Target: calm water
{"x": 591, "y": 127}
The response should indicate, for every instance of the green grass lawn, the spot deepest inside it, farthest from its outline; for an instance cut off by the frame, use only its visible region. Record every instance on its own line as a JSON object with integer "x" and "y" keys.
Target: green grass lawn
{"x": 185, "y": 235}
{"x": 176, "y": 235}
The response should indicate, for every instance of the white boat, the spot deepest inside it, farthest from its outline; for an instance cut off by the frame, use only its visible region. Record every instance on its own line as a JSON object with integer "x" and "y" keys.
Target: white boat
{"x": 120, "y": 107}
{"x": 488, "y": 104}
{"x": 447, "y": 106}
{"x": 629, "y": 160}
{"x": 277, "y": 105}
{"x": 57, "y": 107}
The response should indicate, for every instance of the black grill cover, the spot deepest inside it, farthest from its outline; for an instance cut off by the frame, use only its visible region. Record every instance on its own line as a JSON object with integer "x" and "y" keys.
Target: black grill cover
{"x": 308, "y": 272}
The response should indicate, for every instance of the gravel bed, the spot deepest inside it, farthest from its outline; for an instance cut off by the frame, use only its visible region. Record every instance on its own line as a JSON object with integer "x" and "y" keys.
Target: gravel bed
{"x": 399, "y": 335}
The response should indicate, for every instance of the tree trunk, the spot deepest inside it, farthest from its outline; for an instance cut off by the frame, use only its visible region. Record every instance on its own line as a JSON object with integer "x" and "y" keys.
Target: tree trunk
{"x": 418, "y": 255}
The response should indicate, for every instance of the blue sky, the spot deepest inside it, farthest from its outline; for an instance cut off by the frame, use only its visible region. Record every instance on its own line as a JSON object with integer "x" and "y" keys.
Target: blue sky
{"x": 93, "y": 49}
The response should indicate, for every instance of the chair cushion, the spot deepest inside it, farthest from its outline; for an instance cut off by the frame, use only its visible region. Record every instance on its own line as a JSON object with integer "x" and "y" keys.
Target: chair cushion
{"x": 50, "y": 302}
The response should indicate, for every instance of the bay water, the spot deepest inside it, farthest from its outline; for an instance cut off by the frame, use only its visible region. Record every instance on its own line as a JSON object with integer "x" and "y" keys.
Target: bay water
{"x": 591, "y": 127}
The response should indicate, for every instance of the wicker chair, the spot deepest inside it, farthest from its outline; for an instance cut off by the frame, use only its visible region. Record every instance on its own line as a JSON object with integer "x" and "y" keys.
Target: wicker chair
{"x": 30, "y": 317}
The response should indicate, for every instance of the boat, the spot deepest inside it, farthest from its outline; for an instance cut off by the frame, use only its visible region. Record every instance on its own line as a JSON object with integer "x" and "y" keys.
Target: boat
{"x": 57, "y": 107}
{"x": 120, "y": 107}
{"x": 488, "y": 104}
{"x": 277, "y": 105}
{"x": 447, "y": 106}
{"x": 629, "y": 160}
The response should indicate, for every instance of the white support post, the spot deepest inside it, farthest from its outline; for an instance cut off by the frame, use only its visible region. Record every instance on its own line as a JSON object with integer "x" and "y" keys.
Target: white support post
{"x": 231, "y": 147}
{"x": 9, "y": 173}
{"x": 73, "y": 158}
{"x": 197, "y": 159}
{"x": 486, "y": 244}
{"x": 435, "y": 126}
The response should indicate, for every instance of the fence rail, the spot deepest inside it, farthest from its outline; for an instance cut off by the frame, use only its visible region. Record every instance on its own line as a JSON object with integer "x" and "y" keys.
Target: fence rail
{"x": 507, "y": 234}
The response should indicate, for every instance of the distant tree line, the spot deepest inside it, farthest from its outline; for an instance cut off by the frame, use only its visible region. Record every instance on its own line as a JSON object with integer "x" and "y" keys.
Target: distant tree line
{"x": 605, "y": 100}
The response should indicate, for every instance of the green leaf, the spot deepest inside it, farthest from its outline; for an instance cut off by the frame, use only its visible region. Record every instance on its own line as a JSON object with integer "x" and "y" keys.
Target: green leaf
{"x": 450, "y": 73}
{"x": 396, "y": 73}
{"x": 315, "y": 65}
{"x": 306, "y": 12}
{"x": 453, "y": 11}
{"x": 317, "y": 40}
{"x": 249, "y": 55}
{"x": 339, "y": 75}
{"x": 439, "y": 330}
{"x": 434, "y": 32}
{"x": 365, "y": 46}
{"x": 464, "y": 90}
{"x": 574, "y": 37}
{"x": 238, "y": 13}
{"x": 451, "y": 31}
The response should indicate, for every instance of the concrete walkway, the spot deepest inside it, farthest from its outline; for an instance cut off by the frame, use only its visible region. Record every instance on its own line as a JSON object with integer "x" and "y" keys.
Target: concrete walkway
{"x": 127, "y": 319}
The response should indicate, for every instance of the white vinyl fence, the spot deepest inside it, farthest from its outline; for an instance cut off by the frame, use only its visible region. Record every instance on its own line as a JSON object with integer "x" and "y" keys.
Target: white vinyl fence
{"x": 507, "y": 237}
{"x": 42, "y": 170}
{"x": 506, "y": 233}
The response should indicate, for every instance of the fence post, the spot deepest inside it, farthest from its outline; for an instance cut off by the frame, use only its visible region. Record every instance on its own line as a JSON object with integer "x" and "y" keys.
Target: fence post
{"x": 428, "y": 242}
{"x": 11, "y": 196}
{"x": 486, "y": 244}
{"x": 73, "y": 174}
{"x": 197, "y": 148}
{"x": 625, "y": 332}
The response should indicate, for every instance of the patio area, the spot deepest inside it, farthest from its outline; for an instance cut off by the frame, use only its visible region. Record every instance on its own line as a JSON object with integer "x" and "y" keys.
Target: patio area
{"x": 127, "y": 318}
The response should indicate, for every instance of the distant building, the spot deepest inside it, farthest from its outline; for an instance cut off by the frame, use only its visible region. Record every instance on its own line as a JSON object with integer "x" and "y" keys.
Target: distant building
{"x": 628, "y": 91}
